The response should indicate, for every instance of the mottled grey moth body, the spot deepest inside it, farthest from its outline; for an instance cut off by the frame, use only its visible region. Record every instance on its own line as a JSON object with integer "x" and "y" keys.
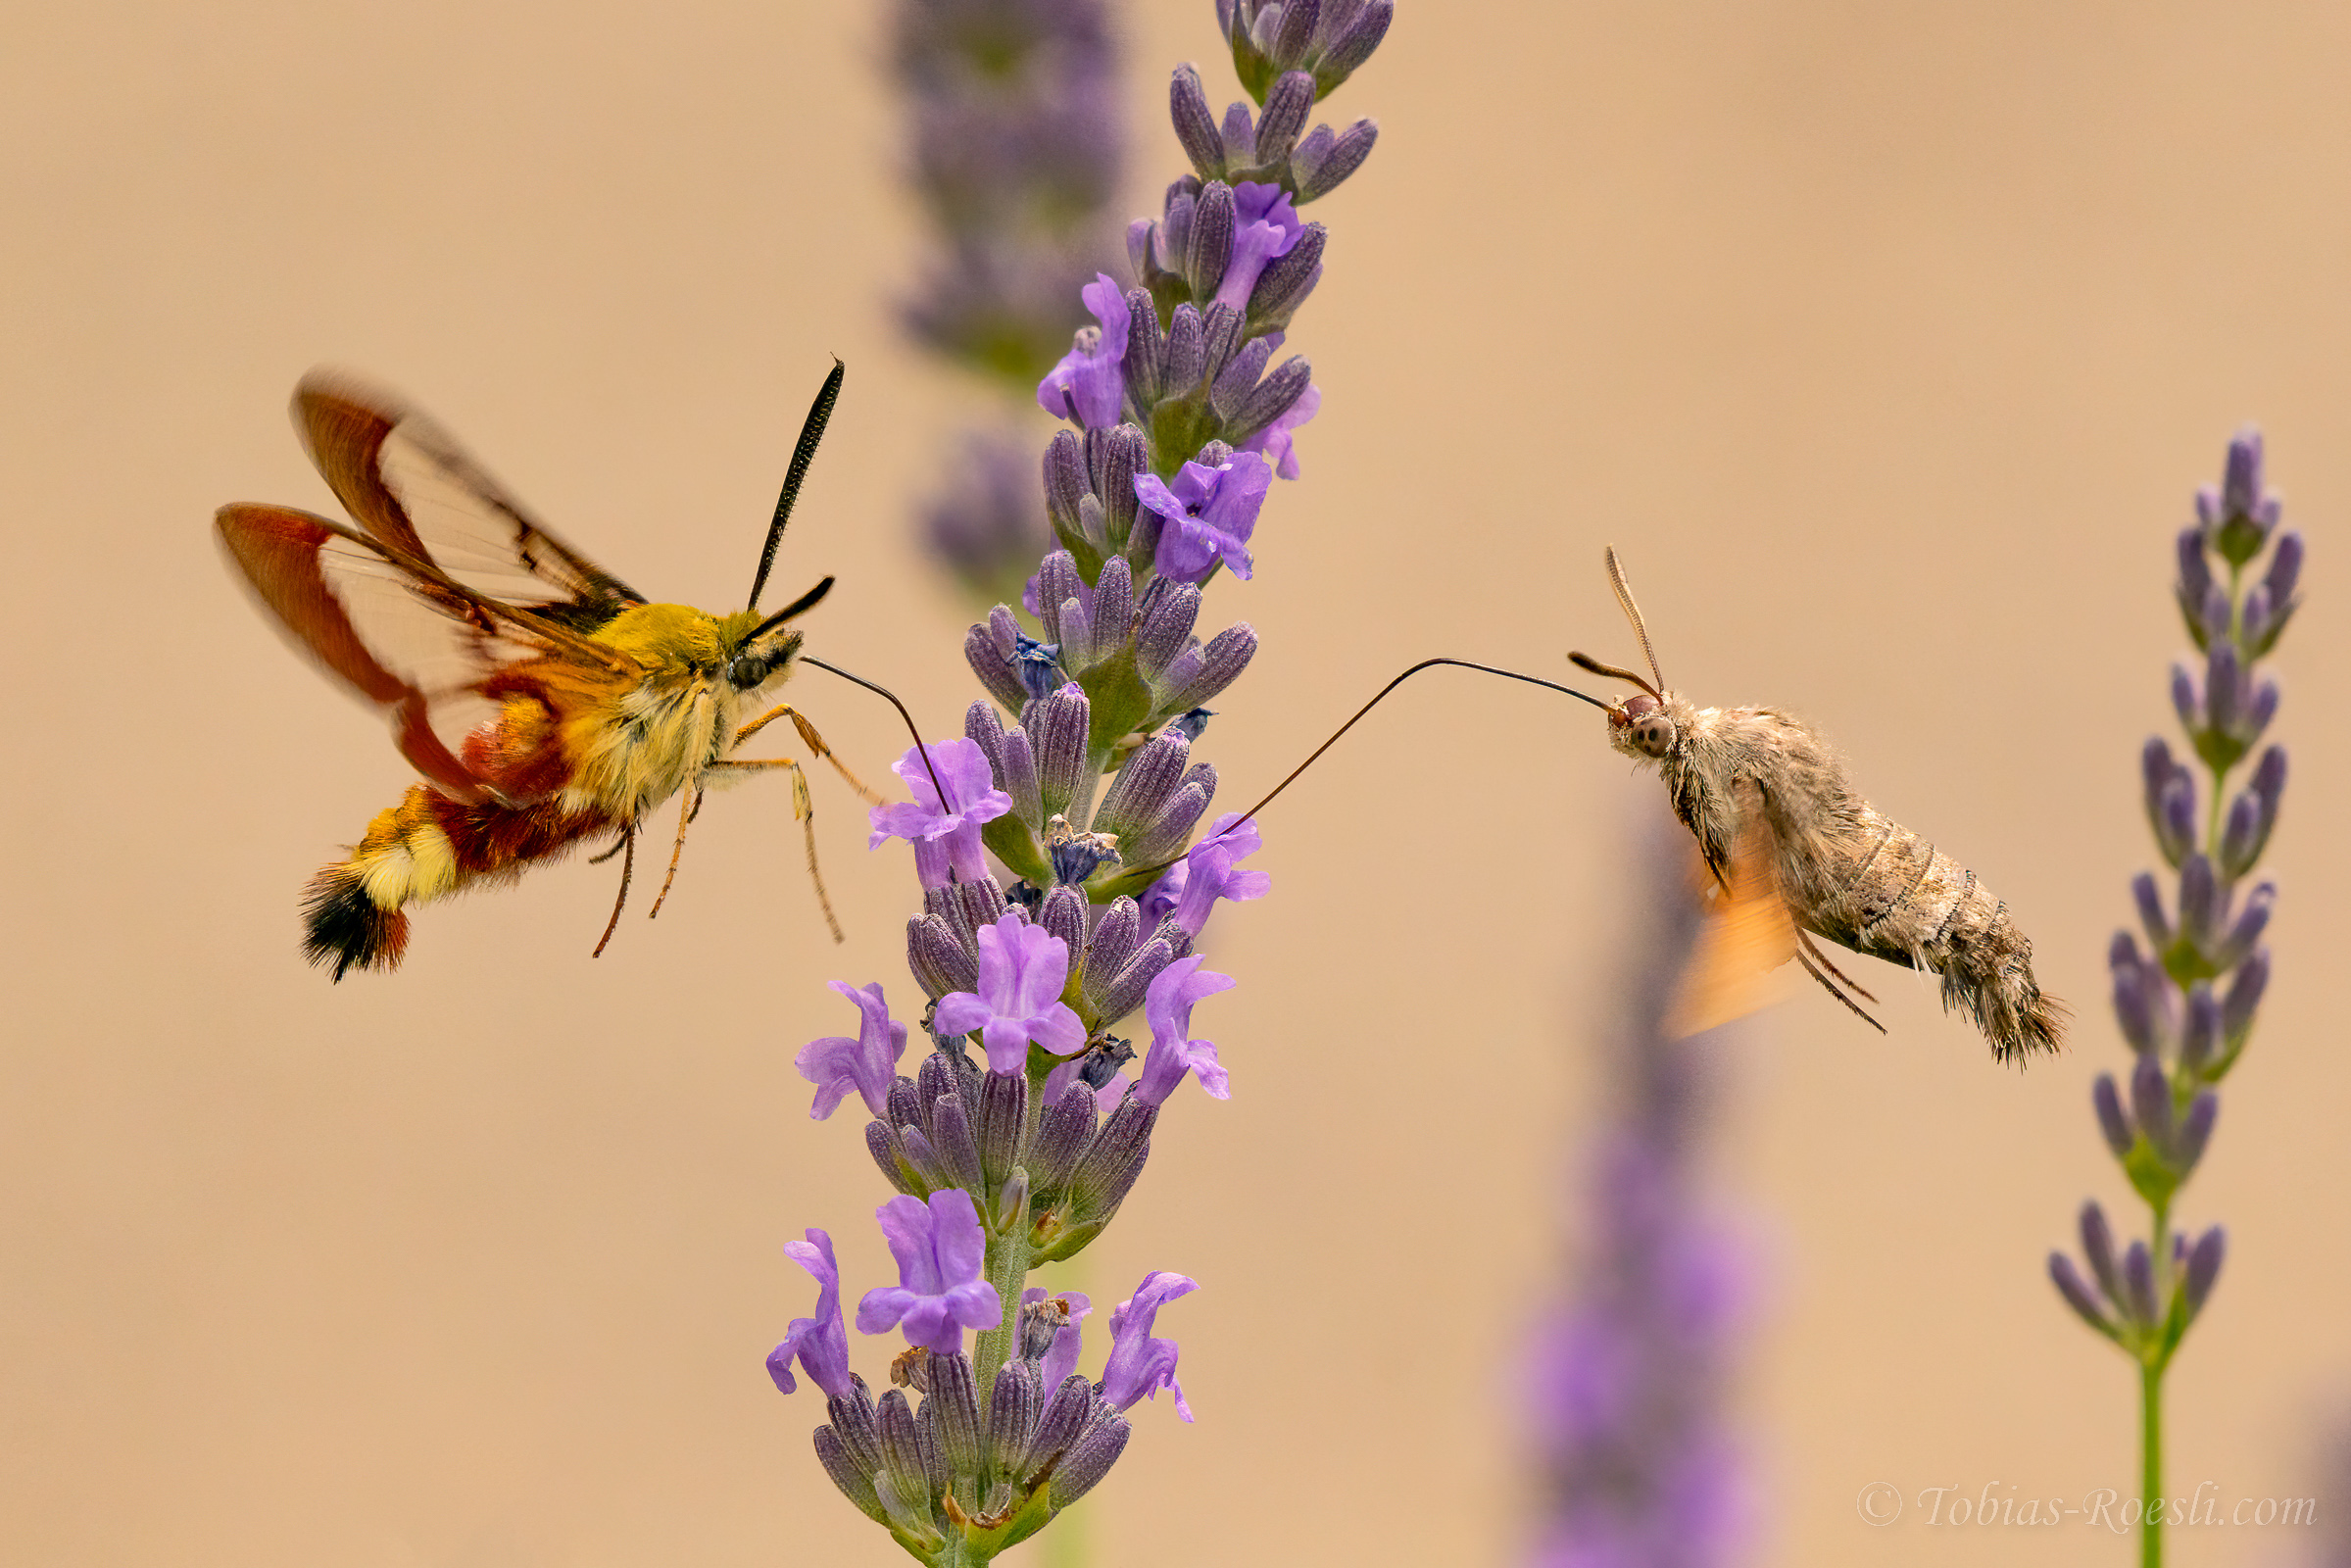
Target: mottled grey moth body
{"x": 1760, "y": 790}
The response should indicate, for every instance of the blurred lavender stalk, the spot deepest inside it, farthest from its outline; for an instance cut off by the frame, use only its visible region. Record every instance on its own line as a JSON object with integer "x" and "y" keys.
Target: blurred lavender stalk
{"x": 2186, "y": 1003}
{"x": 1629, "y": 1376}
{"x": 1017, "y": 149}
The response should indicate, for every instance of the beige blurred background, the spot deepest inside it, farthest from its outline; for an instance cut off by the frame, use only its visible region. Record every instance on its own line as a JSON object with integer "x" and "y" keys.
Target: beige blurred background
{"x": 1890, "y": 344}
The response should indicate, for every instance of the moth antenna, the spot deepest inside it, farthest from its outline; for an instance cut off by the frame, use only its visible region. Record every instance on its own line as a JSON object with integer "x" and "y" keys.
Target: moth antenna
{"x": 921, "y": 746}
{"x": 812, "y": 431}
{"x": 1624, "y": 597}
{"x": 1426, "y": 664}
{"x": 1586, "y": 661}
{"x": 790, "y": 611}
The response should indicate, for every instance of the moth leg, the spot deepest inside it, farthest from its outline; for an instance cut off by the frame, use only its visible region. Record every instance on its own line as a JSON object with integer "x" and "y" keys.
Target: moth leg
{"x": 618, "y": 845}
{"x": 689, "y": 803}
{"x": 1805, "y": 959}
{"x": 1804, "y": 940}
{"x": 816, "y": 743}
{"x": 628, "y": 868}
{"x": 803, "y": 809}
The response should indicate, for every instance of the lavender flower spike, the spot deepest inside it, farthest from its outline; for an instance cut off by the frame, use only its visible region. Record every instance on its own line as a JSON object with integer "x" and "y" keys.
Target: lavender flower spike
{"x": 945, "y": 838}
{"x": 940, "y": 1249}
{"x": 1022, "y": 970}
{"x": 1139, "y": 1366}
{"x": 836, "y": 1064}
{"x": 820, "y": 1343}
{"x": 1089, "y": 381}
{"x": 1208, "y": 515}
{"x": 1168, "y": 1006}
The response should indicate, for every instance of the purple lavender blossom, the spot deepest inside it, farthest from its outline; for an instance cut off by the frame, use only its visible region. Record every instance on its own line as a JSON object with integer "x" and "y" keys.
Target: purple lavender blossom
{"x": 1210, "y": 871}
{"x": 947, "y": 842}
{"x": 820, "y": 1343}
{"x": 940, "y": 1251}
{"x": 1265, "y": 226}
{"x": 1022, "y": 969}
{"x": 1139, "y": 1366}
{"x": 1168, "y": 1006}
{"x": 1274, "y": 442}
{"x": 1088, "y": 383}
{"x": 869, "y": 1063}
{"x": 2184, "y": 1030}
{"x": 1061, "y": 1358}
{"x": 1206, "y": 516}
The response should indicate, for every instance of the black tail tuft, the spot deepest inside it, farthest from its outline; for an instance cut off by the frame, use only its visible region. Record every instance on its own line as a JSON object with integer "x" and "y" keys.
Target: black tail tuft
{"x": 345, "y": 929}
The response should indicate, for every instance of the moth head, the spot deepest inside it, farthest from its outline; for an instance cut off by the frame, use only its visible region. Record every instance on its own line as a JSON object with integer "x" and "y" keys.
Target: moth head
{"x": 757, "y": 651}
{"x": 1640, "y": 725}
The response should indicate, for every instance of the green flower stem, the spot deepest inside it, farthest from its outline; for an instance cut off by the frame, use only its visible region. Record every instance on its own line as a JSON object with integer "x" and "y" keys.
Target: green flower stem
{"x": 2150, "y": 1482}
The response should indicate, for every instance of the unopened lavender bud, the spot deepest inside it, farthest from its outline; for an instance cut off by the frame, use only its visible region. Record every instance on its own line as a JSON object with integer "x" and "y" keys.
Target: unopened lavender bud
{"x": 1142, "y": 787}
{"x": 853, "y": 1419}
{"x": 1076, "y": 623}
{"x": 2254, "y": 623}
{"x": 2200, "y": 1028}
{"x": 2139, "y": 1004}
{"x": 1063, "y": 912}
{"x": 2152, "y": 916}
{"x": 1166, "y": 627}
{"x": 2284, "y": 575}
{"x": 1348, "y": 149}
{"x": 1352, "y": 44}
{"x": 1238, "y": 136}
{"x": 1113, "y": 941}
{"x": 1287, "y": 102}
{"x": 1063, "y": 1133}
{"x": 954, "y": 1393}
{"x": 2195, "y": 578}
{"x": 855, "y": 1484}
{"x": 2098, "y": 1245}
{"x": 1167, "y": 832}
{"x": 1239, "y": 378}
{"x": 1220, "y": 332}
{"x": 883, "y": 1145}
{"x": 2242, "y": 839}
{"x": 1292, "y": 31}
{"x": 993, "y": 668}
{"x": 2171, "y": 799}
{"x": 1211, "y": 245}
{"x": 1187, "y": 358}
{"x": 939, "y": 961}
{"x": 1057, "y": 581}
{"x": 1222, "y": 661}
{"x": 2244, "y": 1000}
{"x": 2077, "y": 1292}
{"x": 1102, "y": 1177}
{"x": 2251, "y": 922}
{"x": 1139, "y": 253}
{"x": 1195, "y": 121}
{"x": 2195, "y": 1130}
{"x": 2185, "y": 703}
{"x": 902, "y": 1447}
{"x": 2139, "y": 1284}
{"x": 2224, "y": 693}
{"x": 1057, "y": 730}
{"x": 1125, "y": 453}
{"x": 1066, "y": 1413}
{"x": 909, "y": 1512}
{"x": 1175, "y": 224}
{"x": 1089, "y": 1457}
{"x": 1270, "y": 399}
{"x": 1011, "y": 1202}
{"x": 2152, "y": 1103}
{"x": 934, "y": 1456}
{"x": 957, "y": 1148}
{"x": 1114, "y": 594}
{"x": 1123, "y": 993}
{"x": 2257, "y": 714}
{"x": 1004, "y": 1108}
{"x": 1019, "y": 780}
{"x": 2204, "y": 1269}
{"x": 1064, "y": 479}
{"x": 2213, "y": 615}
{"x": 1147, "y": 350}
{"x": 1287, "y": 281}
{"x": 1012, "y": 1409}
{"x": 2108, "y": 1100}
{"x": 2202, "y": 902}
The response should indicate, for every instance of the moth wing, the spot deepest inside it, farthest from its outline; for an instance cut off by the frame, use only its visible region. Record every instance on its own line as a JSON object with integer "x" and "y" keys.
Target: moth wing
{"x": 420, "y": 496}
{"x": 409, "y": 640}
{"x": 1747, "y": 935}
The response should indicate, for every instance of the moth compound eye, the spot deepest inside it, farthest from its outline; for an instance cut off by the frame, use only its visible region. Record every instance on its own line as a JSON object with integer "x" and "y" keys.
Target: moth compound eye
{"x": 746, "y": 671}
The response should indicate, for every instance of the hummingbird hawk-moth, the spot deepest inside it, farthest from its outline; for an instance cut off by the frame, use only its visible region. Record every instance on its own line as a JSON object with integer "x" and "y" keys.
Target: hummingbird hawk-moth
{"x": 1797, "y": 852}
